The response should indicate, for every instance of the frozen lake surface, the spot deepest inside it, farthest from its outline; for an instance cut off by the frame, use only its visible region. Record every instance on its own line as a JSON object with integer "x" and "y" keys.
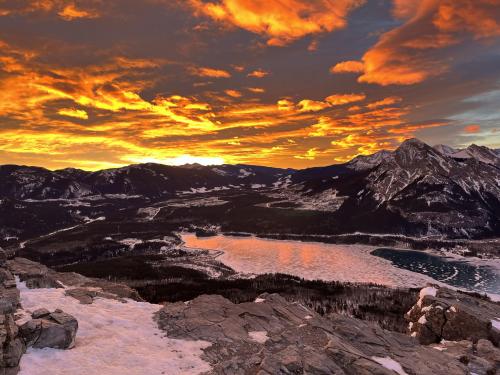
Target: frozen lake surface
{"x": 460, "y": 274}
{"x": 314, "y": 260}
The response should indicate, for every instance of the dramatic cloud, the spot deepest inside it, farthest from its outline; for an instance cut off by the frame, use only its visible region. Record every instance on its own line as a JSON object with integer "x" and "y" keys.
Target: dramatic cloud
{"x": 97, "y": 84}
{"x": 281, "y": 22}
{"x": 406, "y": 55}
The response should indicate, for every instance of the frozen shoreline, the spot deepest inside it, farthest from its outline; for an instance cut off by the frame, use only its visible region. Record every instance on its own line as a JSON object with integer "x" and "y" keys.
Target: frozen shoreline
{"x": 251, "y": 255}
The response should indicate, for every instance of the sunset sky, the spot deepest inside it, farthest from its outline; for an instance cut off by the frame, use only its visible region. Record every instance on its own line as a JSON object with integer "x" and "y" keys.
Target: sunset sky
{"x": 103, "y": 83}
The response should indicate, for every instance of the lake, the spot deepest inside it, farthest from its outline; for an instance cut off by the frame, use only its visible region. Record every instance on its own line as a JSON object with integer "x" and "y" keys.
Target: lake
{"x": 460, "y": 274}
{"x": 356, "y": 263}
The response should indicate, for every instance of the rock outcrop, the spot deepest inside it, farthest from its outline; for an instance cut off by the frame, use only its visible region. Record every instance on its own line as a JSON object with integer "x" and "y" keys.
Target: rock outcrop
{"x": 50, "y": 330}
{"x": 273, "y": 336}
{"x": 11, "y": 345}
{"x": 444, "y": 314}
{"x": 482, "y": 358}
{"x": 37, "y": 275}
{"x": 86, "y": 295}
{"x": 465, "y": 326}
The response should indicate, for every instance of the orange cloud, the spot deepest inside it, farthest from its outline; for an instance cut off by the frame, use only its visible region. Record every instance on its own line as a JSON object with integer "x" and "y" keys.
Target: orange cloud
{"x": 307, "y": 105}
{"x": 341, "y": 99}
{"x": 209, "y": 72}
{"x": 348, "y": 67}
{"x": 403, "y": 55}
{"x": 279, "y": 22}
{"x": 313, "y": 46}
{"x": 472, "y": 129}
{"x": 259, "y": 73}
{"x": 256, "y": 90}
{"x": 309, "y": 154}
{"x": 234, "y": 93}
{"x": 76, "y": 113}
{"x": 128, "y": 118}
{"x": 67, "y": 10}
{"x": 71, "y": 12}
{"x": 384, "y": 102}
{"x": 478, "y": 17}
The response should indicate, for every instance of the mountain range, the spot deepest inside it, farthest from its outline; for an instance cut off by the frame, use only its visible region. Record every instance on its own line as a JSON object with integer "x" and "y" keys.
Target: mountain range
{"x": 415, "y": 190}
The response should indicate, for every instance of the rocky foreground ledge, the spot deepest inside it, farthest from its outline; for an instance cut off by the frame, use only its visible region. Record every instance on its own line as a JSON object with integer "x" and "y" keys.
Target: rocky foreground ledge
{"x": 449, "y": 332}
{"x": 273, "y": 336}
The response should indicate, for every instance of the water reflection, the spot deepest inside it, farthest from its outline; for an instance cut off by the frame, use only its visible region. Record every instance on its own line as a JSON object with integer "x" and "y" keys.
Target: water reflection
{"x": 310, "y": 260}
{"x": 355, "y": 263}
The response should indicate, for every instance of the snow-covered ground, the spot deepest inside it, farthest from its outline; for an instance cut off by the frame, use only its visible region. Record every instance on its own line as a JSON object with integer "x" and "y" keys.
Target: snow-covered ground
{"x": 113, "y": 338}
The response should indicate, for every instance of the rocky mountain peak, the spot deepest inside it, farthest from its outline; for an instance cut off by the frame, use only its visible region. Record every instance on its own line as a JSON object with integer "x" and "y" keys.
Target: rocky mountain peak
{"x": 413, "y": 151}
{"x": 445, "y": 149}
{"x": 363, "y": 162}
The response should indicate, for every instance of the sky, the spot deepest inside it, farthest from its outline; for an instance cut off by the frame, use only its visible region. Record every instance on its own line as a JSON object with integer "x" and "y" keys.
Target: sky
{"x": 96, "y": 84}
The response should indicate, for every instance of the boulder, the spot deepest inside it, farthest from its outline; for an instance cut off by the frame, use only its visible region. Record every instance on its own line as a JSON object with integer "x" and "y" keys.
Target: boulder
{"x": 445, "y": 314}
{"x": 273, "y": 336}
{"x": 53, "y": 330}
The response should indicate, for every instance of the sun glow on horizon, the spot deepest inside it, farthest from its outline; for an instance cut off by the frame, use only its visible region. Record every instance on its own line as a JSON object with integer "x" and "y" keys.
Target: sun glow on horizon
{"x": 275, "y": 82}
{"x": 182, "y": 160}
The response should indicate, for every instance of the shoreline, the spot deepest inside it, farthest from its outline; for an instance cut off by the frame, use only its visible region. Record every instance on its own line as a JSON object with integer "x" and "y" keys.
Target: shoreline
{"x": 413, "y": 278}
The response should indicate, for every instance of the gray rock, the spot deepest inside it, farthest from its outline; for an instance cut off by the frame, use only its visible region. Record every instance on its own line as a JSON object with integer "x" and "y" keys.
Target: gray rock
{"x": 279, "y": 337}
{"x": 3, "y": 257}
{"x": 453, "y": 316}
{"x": 487, "y": 350}
{"x": 37, "y": 275}
{"x": 11, "y": 346}
{"x": 86, "y": 295}
{"x": 55, "y": 330}
{"x": 481, "y": 358}
{"x": 40, "y": 313}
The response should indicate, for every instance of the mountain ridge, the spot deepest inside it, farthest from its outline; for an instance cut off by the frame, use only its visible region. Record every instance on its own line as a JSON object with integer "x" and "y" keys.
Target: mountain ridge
{"x": 414, "y": 190}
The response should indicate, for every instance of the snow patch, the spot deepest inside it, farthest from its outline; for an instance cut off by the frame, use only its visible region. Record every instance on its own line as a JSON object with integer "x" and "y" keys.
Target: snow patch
{"x": 495, "y": 323}
{"x": 427, "y": 291}
{"x": 258, "y": 336}
{"x": 131, "y": 242}
{"x": 390, "y": 364}
{"x": 113, "y": 338}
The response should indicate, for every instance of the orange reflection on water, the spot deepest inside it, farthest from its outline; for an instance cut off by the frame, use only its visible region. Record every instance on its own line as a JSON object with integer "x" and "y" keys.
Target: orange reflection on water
{"x": 310, "y": 260}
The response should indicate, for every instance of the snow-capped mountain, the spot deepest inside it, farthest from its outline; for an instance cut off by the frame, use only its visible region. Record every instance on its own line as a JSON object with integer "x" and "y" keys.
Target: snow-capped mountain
{"x": 363, "y": 162}
{"x": 481, "y": 153}
{"x": 149, "y": 180}
{"x": 445, "y": 150}
{"x": 415, "y": 189}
